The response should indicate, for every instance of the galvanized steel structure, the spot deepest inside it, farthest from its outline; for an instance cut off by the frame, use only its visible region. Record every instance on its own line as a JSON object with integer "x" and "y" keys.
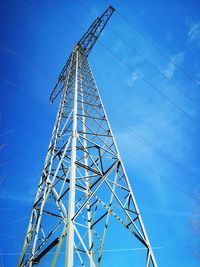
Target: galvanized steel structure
{"x": 83, "y": 186}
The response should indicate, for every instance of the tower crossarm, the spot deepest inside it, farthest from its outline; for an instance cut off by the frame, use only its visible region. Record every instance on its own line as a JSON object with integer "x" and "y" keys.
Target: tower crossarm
{"x": 90, "y": 37}
{"x": 85, "y": 44}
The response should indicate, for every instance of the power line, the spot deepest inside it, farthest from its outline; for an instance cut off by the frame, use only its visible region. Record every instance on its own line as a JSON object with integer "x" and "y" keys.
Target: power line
{"x": 146, "y": 142}
{"x": 136, "y": 29}
{"x": 106, "y": 250}
{"x": 141, "y": 139}
{"x": 151, "y": 170}
{"x": 21, "y": 59}
{"x": 27, "y": 92}
{"x": 150, "y": 85}
{"x": 131, "y": 68}
{"x": 158, "y": 150}
{"x": 144, "y": 58}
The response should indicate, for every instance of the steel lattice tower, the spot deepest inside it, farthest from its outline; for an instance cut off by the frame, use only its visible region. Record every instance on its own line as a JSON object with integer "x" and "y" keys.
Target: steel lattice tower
{"x": 83, "y": 187}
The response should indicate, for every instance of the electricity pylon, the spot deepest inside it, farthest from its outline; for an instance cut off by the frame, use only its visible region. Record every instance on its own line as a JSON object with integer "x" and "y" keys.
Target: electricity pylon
{"x": 83, "y": 188}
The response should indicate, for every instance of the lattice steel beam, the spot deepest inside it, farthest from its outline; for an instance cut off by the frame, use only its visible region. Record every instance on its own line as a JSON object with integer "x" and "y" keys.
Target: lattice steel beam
{"x": 83, "y": 186}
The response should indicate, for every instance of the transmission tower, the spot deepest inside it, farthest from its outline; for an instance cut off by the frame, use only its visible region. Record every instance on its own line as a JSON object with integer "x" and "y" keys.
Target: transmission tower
{"x": 84, "y": 192}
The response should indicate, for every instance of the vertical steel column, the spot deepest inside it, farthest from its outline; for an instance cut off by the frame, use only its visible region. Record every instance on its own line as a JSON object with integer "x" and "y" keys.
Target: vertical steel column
{"x": 71, "y": 202}
{"x": 87, "y": 181}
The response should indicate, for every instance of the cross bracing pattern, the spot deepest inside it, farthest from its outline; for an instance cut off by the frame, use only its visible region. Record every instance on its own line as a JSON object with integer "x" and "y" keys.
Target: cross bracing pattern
{"x": 84, "y": 189}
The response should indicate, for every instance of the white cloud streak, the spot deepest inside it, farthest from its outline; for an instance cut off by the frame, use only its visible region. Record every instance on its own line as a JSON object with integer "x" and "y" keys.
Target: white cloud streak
{"x": 194, "y": 33}
{"x": 171, "y": 68}
{"x": 133, "y": 77}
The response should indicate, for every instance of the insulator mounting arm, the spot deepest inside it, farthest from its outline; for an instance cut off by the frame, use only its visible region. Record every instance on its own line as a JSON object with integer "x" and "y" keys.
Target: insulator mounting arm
{"x": 90, "y": 37}
{"x": 85, "y": 44}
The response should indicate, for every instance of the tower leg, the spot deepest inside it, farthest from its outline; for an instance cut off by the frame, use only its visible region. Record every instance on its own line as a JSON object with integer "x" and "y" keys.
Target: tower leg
{"x": 71, "y": 209}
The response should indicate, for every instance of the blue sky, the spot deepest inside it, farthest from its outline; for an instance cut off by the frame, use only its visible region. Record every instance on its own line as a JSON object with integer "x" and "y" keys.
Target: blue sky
{"x": 155, "y": 119}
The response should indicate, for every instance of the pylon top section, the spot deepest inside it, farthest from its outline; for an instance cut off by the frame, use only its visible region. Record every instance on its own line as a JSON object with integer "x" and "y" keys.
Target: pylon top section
{"x": 85, "y": 44}
{"x": 90, "y": 37}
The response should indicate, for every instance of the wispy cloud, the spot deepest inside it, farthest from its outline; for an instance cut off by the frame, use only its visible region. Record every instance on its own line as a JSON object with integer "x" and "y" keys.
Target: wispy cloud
{"x": 133, "y": 77}
{"x": 194, "y": 33}
{"x": 171, "y": 68}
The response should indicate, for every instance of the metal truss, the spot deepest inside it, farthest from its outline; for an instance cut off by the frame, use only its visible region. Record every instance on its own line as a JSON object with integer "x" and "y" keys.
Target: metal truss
{"x": 83, "y": 183}
{"x": 84, "y": 192}
{"x": 87, "y": 42}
